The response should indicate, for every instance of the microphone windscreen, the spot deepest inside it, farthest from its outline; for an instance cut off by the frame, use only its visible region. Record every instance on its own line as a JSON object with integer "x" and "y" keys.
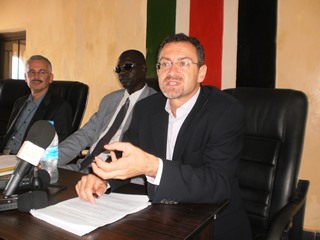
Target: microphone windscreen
{"x": 44, "y": 178}
{"x": 32, "y": 200}
{"x": 41, "y": 133}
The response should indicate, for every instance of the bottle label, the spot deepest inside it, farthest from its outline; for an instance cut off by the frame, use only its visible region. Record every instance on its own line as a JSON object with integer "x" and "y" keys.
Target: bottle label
{"x": 51, "y": 153}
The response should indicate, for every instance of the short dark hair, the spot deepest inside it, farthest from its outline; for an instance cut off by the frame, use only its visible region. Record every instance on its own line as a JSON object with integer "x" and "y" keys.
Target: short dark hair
{"x": 42, "y": 58}
{"x": 181, "y": 37}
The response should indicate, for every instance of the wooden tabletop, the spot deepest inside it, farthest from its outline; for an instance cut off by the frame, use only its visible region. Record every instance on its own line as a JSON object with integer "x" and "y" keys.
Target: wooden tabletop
{"x": 158, "y": 221}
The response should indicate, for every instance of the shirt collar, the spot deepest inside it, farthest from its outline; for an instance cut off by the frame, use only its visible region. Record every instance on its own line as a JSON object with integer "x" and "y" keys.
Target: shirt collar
{"x": 134, "y": 96}
{"x": 37, "y": 102}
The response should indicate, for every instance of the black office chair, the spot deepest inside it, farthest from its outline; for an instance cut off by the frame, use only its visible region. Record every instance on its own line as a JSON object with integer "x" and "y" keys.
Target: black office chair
{"x": 9, "y": 93}
{"x": 153, "y": 82}
{"x": 268, "y": 172}
{"x": 76, "y": 93}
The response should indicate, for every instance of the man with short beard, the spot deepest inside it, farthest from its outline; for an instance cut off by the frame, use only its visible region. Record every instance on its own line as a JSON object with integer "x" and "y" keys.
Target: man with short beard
{"x": 186, "y": 140}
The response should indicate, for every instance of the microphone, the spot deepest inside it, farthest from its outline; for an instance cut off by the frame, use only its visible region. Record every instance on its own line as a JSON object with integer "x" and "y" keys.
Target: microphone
{"x": 40, "y": 179}
{"x": 35, "y": 198}
{"x": 38, "y": 139}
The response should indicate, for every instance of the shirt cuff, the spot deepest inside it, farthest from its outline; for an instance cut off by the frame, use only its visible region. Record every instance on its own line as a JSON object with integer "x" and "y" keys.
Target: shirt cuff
{"x": 156, "y": 180}
{"x": 108, "y": 188}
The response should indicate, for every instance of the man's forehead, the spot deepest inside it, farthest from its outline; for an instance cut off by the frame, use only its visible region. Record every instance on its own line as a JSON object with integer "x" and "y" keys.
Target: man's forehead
{"x": 130, "y": 57}
{"x": 178, "y": 50}
{"x": 37, "y": 62}
{"x": 126, "y": 57}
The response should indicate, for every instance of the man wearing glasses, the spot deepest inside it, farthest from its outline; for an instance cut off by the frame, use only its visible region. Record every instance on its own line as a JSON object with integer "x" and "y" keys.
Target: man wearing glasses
{"x": 131, "y": 71}
{"x": 41, "y": 104}
{"x": 186, "y": 140}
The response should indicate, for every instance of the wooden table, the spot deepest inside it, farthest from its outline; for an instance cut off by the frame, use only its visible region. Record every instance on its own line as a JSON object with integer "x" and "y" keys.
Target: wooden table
{"x": 159, "y": 221}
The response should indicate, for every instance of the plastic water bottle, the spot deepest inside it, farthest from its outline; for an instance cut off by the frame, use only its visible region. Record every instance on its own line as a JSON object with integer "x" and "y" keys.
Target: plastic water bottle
{"x": 49, "y": 161}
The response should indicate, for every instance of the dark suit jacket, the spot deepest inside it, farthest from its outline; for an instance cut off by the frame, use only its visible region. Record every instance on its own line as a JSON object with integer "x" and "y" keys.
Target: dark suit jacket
{"x": 205, "y": 157}
{"x": 51, "y": 108}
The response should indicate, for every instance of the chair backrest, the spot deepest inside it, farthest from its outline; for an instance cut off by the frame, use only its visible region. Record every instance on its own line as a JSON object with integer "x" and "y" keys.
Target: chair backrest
{"x": 153, "y": 82}
{"x": 76, "y": 93}
{"x": 270, "y": 161}
{"x": 10, "y": 91}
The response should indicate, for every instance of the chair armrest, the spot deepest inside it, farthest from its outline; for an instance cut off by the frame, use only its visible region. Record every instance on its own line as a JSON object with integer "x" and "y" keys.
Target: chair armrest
{"x": 291, "y": 212}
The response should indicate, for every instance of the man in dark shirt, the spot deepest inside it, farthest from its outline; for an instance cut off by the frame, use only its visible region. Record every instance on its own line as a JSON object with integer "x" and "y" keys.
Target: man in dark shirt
{"x": 41, "y": 104}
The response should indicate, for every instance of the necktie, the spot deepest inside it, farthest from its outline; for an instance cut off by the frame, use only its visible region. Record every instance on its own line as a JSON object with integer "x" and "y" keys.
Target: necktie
{"x": 107, "y": 137}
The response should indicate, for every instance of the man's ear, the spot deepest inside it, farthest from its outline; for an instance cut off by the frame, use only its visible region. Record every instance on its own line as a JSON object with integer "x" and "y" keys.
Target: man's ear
{"x": 51, "y": 77}
{"x": 202, "y": 73}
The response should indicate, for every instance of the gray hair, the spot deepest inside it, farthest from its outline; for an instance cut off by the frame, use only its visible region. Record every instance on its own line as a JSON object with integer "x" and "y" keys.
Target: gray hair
{"x": 42, "y": 58}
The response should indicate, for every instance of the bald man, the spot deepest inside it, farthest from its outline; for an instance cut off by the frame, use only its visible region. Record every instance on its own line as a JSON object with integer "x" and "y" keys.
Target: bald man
{"x": 131, "y": 70}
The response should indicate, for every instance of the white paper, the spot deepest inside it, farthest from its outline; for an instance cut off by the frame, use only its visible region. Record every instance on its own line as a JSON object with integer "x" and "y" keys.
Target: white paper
{"x": 81, "y": 217}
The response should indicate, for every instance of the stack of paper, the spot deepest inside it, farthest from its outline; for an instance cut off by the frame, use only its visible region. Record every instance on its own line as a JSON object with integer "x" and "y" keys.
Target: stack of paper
{"x": 7, "y": 164}
{"x": 81, "y": 217}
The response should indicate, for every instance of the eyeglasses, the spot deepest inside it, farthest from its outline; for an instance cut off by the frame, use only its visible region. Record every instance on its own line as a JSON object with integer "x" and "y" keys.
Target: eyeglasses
{"x": 126, "y": 66}
{"x": 166, "y": 65}
{"x": 40, "y": 73}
